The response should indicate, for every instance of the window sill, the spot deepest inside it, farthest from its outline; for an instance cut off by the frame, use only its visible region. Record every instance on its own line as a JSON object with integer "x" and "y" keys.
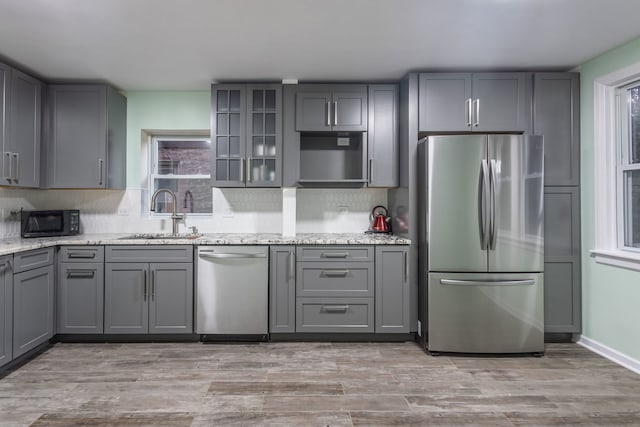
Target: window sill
{"x": 617, "y": 258}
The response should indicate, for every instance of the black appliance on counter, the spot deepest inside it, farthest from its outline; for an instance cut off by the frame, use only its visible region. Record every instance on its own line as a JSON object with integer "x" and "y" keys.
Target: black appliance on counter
{"x": 65, "y": 222}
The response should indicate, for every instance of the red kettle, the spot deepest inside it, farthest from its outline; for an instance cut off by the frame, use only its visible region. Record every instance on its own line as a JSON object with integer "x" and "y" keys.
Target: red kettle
{"x": 380, "y": 220}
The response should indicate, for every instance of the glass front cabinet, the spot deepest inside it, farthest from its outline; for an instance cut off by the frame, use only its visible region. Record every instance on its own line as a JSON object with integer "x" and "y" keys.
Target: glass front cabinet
{"x": 246, "y": 135}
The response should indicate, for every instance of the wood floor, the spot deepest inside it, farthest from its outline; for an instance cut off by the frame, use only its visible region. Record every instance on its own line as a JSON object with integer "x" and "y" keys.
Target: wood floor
{"x": 307, "y": 384}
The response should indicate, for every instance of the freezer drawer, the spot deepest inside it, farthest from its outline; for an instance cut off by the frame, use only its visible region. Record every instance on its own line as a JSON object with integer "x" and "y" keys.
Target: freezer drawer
{"x": 485, "y": 312}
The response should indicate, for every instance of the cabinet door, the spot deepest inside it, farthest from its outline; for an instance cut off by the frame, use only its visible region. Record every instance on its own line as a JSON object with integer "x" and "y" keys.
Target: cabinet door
{"x": 349, "y": 111}
{"x": 556, "y": 110}
{"x": 313, "y": 111}
{"x": 80, "y": 297}
{"x": 502, "y": 102}
{"x": 32, "y": 309}
{"x": 383, "y": 144}
{"x": 282, "y": 289}
{"x": 6, "y": 310}
{"x": 26, "y": 93}
{"x": 562, "y": 310}
{"x": 171, "y": 298}
{"x": 126, "y": 291}
{"x": 78, "y": 136}
{"x": 228, "y": 135}
{"x": 5, "y": 102}
{"x": 444, "y": 102}
{"x": 264, "y": 135}
{"x": 392, "y": 289}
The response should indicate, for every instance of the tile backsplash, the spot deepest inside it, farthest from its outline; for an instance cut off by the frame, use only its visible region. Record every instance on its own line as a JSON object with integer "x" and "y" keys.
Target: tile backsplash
{"x": 234, "y": 210}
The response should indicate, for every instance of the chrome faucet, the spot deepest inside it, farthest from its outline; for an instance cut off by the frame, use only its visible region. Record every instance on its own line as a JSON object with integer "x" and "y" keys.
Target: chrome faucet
{"x": 175, "y": 217}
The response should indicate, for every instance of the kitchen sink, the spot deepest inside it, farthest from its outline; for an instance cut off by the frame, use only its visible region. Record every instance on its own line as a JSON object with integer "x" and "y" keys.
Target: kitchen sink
{"x": 189, "y": 236}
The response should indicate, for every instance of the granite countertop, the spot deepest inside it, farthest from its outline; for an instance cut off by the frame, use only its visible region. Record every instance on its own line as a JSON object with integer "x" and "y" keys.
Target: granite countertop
{"x": 9, "y": 246}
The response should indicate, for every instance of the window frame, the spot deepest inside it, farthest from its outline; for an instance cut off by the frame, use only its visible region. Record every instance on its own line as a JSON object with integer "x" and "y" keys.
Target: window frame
{"x": 153, "y": 169}
{"x": 607, "y": 150}
{"x": 624, "y": 163}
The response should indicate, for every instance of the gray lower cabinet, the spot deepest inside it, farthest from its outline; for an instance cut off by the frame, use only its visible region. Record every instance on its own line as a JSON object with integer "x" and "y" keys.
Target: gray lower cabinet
{"x": 80, "y": 298}
{"x": 562, "y": 312}
{"x": 80, "y": 290}
{"x": 392, "y": 289}
{"x": 148, "y": 297}
{"x": 476, "y": 102}
{"x": 383, "y": 136}
{"x": 282, "y": 289}
{"x": 33, "y": 290}
{"x": 335, "y": 289}
{"x": 6, "y": 310}
{"x": 86, "y": 137}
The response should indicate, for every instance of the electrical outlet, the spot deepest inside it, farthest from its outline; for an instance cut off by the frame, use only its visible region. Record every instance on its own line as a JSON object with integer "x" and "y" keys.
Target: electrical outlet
{"x": 343, "y": 209}
{"x": 123, "y": 212}
{"x": 227, "y": 213}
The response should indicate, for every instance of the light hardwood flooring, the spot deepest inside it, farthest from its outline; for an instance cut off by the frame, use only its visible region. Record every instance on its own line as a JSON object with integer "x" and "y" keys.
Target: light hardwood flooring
{"x": 307, "y": 384}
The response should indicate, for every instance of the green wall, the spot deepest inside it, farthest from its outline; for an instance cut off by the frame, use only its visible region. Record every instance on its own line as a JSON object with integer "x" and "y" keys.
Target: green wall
{"x": 158, "y": 111}
{"x": 610, "y": 295}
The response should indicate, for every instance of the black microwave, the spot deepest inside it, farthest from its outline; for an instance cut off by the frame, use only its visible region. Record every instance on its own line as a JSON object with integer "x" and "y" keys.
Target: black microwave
{"x": 50, "y": 223}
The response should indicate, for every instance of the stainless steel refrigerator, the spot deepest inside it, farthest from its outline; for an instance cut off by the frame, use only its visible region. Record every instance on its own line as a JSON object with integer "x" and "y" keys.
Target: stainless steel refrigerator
{"x": 481, "y": 243}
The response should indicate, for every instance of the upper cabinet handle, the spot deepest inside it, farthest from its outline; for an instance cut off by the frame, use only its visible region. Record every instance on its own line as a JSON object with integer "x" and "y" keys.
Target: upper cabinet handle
{"x": 100, "y": 171}
{"x": 335, "y": 113}
{"x": 328, "y": 113}
{"x": 477, "y": 104}
{"x": 469, "y": 112}
{"x": 8, "y": 176}
{"x": 17, "y": 169}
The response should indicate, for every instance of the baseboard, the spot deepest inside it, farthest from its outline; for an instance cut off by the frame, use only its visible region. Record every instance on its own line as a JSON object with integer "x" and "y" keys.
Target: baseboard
{"x": 611, "y": 354}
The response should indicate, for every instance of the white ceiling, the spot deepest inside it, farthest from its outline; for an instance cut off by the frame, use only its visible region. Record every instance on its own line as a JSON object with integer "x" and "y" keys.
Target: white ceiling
{"x": 184, "y": 44}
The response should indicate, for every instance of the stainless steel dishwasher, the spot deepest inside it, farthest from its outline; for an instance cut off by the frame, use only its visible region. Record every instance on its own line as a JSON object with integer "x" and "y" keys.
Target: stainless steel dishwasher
{"x": 232, "y": 293}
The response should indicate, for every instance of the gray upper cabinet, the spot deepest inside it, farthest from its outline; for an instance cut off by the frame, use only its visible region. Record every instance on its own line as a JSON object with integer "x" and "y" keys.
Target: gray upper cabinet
{"x": 282, "y": 289}
{"x": 246, "y": 135}
{"x": 392, "y": 289}
{"x": 86, "y": 135}
{"x": 6, "y": 310}
{"x": 33, "y": 290}
{"x": 20, "y": 115}
{"x": 556, "y": 109}
{"x": 338, "y": 108}
{"x": 475, "y": 102}
{"x": 383, "y": 134}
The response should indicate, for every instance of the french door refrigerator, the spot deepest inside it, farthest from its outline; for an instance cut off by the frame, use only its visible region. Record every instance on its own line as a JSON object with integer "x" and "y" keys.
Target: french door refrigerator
{"x": 481, "y": 243}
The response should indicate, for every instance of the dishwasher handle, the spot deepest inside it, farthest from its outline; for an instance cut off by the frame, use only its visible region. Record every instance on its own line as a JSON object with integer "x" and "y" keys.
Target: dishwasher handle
{"x": 231, "y": 255}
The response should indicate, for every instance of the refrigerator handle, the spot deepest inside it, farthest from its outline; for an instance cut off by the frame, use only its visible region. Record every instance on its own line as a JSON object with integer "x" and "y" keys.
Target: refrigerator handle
{"x": 483, "y": 192}
{"x": 492, "y": 216}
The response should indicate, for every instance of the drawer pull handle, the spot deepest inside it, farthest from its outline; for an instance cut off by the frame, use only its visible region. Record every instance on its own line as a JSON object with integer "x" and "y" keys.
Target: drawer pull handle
{"x": 82, "y": 254}
{"x": 77, "y": 274}
{"x": 331, "y": 308}
{"x": 334, "y": 255}
{"x": 335, "y": 273}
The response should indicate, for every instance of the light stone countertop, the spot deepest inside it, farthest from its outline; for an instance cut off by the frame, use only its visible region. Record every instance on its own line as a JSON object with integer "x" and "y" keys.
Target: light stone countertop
{"x": 9, "y": 246}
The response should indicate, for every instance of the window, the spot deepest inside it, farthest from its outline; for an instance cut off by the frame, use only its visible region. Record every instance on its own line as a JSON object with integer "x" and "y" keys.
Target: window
{"x": 182, "y": 165}
{"x": 616, "y": 155}
{"x": 628, "y": 170}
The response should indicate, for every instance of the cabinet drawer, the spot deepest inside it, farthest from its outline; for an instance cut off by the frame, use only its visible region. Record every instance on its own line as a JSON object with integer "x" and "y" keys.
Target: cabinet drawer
{"x": 81, "y": 254}
{"x": 149, "y": 253}
{"x": 334, "y": 253}
{"x": 29, "y": 260}
{"x": 334, "y": 315}
{"x": 335, "y": 279}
